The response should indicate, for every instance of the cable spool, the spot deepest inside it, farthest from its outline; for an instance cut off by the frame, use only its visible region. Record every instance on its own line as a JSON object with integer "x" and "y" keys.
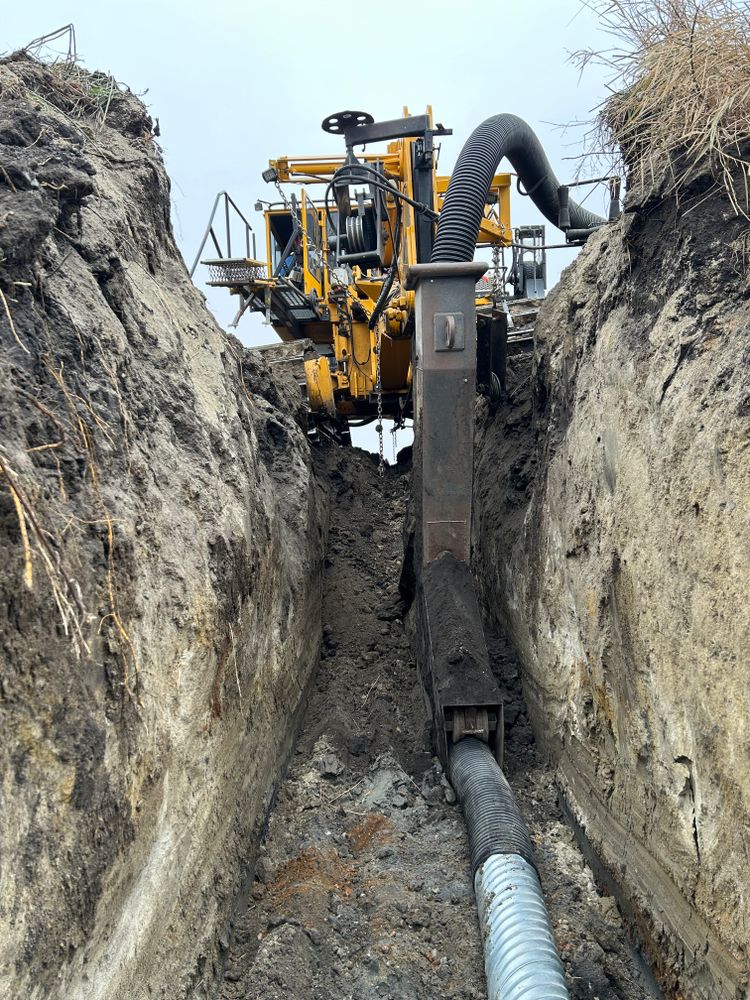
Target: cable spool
{"x": 360, "y": 234}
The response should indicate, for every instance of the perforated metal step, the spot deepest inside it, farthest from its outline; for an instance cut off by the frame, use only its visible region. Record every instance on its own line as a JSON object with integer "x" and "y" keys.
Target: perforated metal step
{"x": 228, "y": 271}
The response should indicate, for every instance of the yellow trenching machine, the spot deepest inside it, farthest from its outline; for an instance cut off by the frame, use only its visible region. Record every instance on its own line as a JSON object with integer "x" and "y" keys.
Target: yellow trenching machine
{"x": 377, "y": 277}
{"x": 336, "y": 264}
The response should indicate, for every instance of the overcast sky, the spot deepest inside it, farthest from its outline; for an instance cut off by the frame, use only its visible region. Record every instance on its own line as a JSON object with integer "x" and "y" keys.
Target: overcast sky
{"x": 234, "y": 84}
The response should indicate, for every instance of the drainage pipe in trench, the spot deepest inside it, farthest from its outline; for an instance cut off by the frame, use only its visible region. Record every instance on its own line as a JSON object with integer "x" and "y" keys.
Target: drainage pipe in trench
{"x": 520, "y": 957}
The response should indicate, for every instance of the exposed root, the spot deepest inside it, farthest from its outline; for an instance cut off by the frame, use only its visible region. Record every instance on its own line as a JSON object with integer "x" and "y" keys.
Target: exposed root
{"x": 39, "y": 46}
{"x": 76, "y": 426}
{"x": 12, "y": 325}
{"x": 28, "y": 569}
{"x": 36, "y": 539}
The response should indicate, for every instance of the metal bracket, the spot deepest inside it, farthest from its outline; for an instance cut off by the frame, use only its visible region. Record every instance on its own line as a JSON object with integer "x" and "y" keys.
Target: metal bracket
{"x": 396, "y": 128}
{"x": 445, "y": 362}
{"x": 453, "y": 658}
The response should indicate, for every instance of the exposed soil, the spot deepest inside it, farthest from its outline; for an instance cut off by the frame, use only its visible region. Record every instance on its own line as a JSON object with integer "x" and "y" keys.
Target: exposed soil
{"x": 362, "y": 887}
{"x": 612, "y": 499}
{"x": 599, "y": 959}
{"x": 161, "y": 549}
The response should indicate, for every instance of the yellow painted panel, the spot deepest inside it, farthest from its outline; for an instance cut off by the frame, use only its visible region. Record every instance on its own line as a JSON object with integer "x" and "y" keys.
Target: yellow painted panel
{"x": 320, "y": 386}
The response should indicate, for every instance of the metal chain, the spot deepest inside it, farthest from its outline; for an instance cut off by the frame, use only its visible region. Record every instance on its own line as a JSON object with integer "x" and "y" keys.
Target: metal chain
{"x": 496, "y": 288}
{"x": 379, "y": 425}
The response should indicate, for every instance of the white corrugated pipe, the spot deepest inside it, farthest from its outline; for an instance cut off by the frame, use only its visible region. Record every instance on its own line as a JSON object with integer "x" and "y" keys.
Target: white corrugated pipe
{"x": 520, "y": 958}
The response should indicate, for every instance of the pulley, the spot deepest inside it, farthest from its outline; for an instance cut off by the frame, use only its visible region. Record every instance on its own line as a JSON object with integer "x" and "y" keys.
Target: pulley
{"x": 360, "y": 233}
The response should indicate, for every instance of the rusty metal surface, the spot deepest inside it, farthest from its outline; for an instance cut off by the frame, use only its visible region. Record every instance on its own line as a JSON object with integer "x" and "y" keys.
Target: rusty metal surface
{"x": 445, "y": 385}
{"x": 452, "y": 652}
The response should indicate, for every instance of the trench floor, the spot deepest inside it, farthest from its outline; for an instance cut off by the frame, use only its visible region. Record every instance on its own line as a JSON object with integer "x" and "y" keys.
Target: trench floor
{"x": 362, "y": 886}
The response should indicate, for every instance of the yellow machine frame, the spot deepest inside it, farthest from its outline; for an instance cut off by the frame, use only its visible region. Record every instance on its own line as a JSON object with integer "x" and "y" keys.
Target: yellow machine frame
{"x": 343, "y": 381}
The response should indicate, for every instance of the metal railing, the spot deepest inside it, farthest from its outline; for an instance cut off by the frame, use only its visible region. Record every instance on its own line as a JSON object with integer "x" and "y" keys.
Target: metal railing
{"x": 210, "y": 233}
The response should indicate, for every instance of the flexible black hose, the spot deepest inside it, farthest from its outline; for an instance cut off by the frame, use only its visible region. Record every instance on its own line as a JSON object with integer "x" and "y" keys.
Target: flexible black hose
{"x": 463, "y": 207}
{"x": 388, "y": 283}
{"x": 492, "y": 816}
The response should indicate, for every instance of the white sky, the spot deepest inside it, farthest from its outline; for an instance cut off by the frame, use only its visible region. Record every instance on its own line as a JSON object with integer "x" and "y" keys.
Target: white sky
{"x": 234, "y": 84}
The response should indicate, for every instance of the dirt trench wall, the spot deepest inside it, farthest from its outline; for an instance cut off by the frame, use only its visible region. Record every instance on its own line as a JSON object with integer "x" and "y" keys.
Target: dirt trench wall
{"x": 157, "y": 503}
{"x": 612, "y": 517}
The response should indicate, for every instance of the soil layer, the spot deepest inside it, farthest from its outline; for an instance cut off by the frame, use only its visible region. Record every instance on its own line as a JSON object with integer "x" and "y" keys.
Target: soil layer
{"x": 612, "y": 501}
{"x": 362, "y": 886}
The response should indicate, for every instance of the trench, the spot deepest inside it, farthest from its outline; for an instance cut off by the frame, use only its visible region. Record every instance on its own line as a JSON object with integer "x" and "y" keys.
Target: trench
{"x": 361, "y": 886}
{"x": 162, "y": 535}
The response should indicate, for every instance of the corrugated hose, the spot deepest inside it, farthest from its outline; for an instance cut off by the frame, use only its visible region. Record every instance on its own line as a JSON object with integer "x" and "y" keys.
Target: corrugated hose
{"x": 463, "y": 207}
{"x": 520, "y": 957}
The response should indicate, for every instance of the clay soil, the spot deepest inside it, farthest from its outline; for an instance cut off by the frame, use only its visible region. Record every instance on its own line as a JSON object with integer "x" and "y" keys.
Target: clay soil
{"x": 362, "y": 886}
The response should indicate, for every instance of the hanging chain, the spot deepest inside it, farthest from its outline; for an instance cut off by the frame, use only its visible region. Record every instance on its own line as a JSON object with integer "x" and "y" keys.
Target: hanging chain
{"x": 496, "y": 283}
{"x": 379, "y": 393}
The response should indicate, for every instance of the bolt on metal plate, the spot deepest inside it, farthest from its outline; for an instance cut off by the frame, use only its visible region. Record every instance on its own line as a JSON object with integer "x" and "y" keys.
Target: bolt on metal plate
{"x": 449, "y": 331}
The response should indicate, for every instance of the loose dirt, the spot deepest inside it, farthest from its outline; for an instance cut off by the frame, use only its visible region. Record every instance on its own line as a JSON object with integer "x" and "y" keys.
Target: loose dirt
{"x": 362, "y": 885}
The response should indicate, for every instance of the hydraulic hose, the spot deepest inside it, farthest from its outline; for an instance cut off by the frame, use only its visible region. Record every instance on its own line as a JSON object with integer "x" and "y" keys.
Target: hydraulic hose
{"x": 463, "y": 207}
{"x": 520, "y": 957}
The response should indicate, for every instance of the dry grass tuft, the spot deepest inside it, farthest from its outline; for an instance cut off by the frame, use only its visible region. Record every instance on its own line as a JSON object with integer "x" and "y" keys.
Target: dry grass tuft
{"x": 681, "y": 92}
{"x": 83, "y": 97}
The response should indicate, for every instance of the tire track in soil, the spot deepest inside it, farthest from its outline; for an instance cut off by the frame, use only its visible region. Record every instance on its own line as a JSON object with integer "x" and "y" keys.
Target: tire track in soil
{"x": 362, "y": 885}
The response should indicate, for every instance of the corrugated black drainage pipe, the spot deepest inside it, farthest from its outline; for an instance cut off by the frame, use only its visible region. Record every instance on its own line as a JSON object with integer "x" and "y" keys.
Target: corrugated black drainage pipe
{"x": 520, "y": 958}
{"x": 461, "y": 215}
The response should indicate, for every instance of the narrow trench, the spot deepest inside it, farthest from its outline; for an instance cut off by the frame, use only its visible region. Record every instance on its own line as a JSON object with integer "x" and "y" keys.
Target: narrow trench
{"x": 362, "y": 884}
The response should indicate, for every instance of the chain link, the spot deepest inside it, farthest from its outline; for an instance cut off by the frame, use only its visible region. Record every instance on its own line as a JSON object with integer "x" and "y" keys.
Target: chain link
{"x": 379, "y": 393}
{"x": 496, "y": 281}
